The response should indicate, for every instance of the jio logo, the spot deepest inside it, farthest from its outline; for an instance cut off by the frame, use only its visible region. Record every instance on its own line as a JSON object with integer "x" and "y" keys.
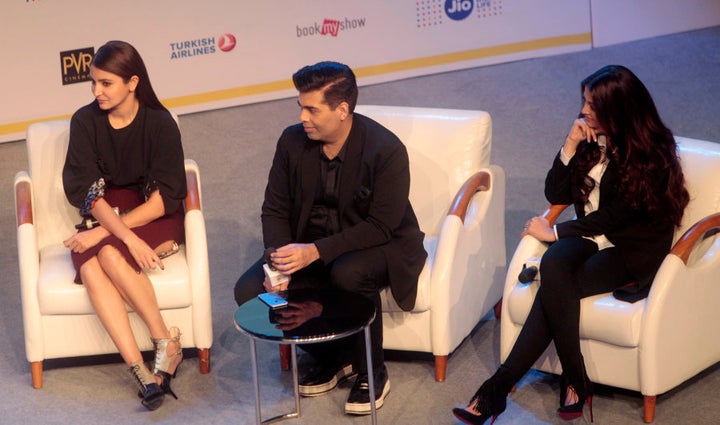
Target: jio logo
{"x": 458, "y": 10}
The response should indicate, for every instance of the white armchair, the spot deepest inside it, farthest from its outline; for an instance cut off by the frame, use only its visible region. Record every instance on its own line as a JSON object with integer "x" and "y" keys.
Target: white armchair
{"x": 459, "y": 200}
{"x": 657, "y": 343}
{"x": 58, "y": 319}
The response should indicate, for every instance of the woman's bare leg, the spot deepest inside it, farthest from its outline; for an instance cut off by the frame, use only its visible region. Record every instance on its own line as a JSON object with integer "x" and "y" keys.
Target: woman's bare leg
{"x": 110, "y": 309}
{"x": 135, "y": 289}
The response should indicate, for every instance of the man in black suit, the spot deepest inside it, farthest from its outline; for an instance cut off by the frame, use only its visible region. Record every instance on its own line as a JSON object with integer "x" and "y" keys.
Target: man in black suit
{"x": 337, "y": 211}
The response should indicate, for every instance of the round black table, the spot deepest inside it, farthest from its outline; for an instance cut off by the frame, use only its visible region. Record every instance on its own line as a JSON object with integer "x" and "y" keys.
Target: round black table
{"x": 334, "y": 314}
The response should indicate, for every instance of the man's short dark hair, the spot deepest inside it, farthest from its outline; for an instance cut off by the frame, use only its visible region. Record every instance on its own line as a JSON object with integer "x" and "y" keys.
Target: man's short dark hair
{"x": 336, "y": 79}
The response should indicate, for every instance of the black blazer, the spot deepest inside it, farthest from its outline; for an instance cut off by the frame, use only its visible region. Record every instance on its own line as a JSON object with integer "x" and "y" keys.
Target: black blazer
{"x": 643, "y": 242}
{"x": 373, "y": 201}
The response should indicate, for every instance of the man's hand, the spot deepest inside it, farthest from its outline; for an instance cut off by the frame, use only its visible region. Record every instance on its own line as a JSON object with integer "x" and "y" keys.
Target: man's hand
{"x": 297, "y": 313}
{"x": 293, "y": 257}
{"x": 278, "y": 288}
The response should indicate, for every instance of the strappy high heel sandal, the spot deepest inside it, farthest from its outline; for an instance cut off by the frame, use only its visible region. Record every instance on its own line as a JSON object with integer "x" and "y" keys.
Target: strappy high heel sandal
{"x": 490, "y": 401}
{"x": 165, "y": 362}
{"x": 575, "y": 410}
{"x": 151, "y": 393}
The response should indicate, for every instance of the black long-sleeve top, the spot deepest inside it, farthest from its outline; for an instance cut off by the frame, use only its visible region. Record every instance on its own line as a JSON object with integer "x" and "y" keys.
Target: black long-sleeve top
{"x": 145, "y": 156}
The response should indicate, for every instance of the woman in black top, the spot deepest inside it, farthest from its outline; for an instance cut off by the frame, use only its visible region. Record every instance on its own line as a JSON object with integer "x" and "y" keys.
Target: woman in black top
{"x": 619, "y": 168}
{"x": 125, "y": 152}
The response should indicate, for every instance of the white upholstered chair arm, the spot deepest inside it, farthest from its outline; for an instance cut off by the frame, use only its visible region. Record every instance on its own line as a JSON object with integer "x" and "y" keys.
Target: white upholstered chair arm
{"x": 528, "y": 247}
{"x": 470, "y": 257}
{"x": 197, "y": 258}
{"x": 679, "y": 323}
{"x": 29, "y": 264}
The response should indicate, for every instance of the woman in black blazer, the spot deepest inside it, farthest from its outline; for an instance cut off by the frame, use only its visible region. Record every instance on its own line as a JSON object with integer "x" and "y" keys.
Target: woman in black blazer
{"x": 619, "y": 168}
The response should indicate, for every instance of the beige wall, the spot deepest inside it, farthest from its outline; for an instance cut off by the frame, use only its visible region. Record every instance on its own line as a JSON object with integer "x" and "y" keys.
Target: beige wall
{"x": 219, "y": 53}
{"x": 618, "y": 21}
{"x": 195, "y": 65}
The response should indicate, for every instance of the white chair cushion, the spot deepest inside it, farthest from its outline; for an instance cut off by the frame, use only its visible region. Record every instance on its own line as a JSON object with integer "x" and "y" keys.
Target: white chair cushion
{"x": 57, "y": 294}
{"x": 605, "y": 318}
{"x": 602, "y": 317}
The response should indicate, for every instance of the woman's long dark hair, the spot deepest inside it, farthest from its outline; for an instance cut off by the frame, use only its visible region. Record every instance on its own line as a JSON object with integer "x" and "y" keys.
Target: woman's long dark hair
{"x": 639, "y": 143}
{"x": 121, "y": 58}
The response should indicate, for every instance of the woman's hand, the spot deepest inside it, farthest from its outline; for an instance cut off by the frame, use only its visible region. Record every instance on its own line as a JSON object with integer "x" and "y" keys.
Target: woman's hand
{"x": 82, "y": 241}
{"x": 145, "y": 256}
{"x": 540, "y": 229}
{"x": 579, "y": 131}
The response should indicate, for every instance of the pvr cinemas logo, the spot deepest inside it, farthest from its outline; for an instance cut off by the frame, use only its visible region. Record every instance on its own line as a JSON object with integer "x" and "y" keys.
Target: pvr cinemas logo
{"x": 75, "y": 65}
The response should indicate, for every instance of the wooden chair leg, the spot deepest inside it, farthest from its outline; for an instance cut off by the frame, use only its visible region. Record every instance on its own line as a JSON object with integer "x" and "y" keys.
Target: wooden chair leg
{"x": 649, "y": 408}
{"x": 440, "y": 368}
{"x": 204, "y": 360}
{"x": 36, "y": 371}
{"x": 284, "y": 356}
{"x": 498, "y": 309}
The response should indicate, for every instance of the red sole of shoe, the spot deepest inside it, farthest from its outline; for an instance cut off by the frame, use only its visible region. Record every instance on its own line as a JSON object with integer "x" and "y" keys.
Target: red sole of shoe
{"x": 568, "y": 416}
{"x": 465, "y": 421}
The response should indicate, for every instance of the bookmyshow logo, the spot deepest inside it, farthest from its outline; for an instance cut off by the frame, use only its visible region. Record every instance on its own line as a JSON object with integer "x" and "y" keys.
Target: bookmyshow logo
{"x": 330, "y": 27}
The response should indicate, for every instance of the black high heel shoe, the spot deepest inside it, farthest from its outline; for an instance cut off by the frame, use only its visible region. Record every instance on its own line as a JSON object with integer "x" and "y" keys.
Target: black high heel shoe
{"x": 150, "y": 392}
{"x": 575, "y": 410}
{"x": 164, "y": 361}
{"x": 490, "y": 401}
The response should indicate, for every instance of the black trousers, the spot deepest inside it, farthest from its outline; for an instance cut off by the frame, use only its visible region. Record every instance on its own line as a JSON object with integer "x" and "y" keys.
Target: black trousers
{"x": 571, "y": 269}
{"x": 363, "y": 272}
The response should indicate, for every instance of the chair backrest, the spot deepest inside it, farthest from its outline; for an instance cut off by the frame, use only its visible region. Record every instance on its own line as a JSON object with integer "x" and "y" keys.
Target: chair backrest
{"x": 53, "y": 215}
{"x": 701, "y": 165}
{"x": 445, "y": 147}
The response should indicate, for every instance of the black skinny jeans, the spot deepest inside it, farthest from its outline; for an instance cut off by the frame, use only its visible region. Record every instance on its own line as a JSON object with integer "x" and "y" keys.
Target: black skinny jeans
{"x": 363, "y": 272}
{"x": 571, "y": 269}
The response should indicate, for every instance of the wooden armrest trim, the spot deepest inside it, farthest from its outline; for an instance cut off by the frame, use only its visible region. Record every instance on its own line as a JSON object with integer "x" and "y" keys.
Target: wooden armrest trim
{"x": 553, "y": 212}
{"x": 23, "y": 201}
{"x": 192, "y": 199}
{"x": 478, "y": 182}
{"x": 684, "y": 246}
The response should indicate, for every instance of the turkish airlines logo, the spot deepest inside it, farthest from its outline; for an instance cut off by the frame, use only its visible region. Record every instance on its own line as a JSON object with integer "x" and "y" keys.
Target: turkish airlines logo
{"x": 227, "y": 42}
{"x": 202, "y": 46}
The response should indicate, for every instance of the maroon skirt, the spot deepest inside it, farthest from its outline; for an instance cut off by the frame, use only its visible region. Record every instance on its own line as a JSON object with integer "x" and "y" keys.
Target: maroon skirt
{"x": 170, "y": 227}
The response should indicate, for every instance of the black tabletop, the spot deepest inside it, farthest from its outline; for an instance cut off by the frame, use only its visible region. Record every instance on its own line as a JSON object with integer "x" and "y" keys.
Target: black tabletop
{"x": 312, "y": 315}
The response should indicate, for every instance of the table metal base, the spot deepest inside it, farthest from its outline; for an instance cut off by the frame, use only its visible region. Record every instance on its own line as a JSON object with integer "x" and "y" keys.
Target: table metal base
{"x": 296, "y": 413}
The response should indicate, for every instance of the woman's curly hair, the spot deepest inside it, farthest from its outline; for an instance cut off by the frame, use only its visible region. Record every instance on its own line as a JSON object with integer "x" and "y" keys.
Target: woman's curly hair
{"x": 643, "y": 148}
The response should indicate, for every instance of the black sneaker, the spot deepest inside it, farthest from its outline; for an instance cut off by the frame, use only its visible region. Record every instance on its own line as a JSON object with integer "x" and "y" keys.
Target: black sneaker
{"x": 321, "y": 379}
{"x": 358, "y": 401}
